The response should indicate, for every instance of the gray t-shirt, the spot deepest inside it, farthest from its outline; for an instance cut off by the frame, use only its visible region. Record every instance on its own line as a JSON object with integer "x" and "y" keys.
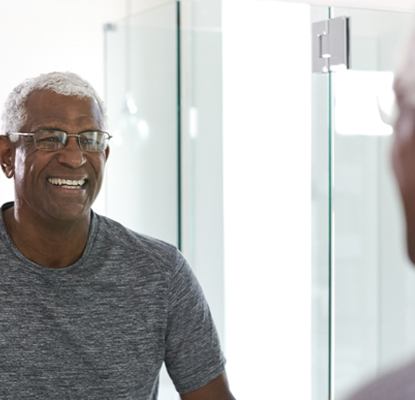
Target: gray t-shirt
{"x": 102, "y": 327}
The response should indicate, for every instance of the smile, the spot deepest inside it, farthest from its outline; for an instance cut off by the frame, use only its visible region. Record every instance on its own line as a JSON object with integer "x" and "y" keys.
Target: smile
{"x": 67, "y": 183}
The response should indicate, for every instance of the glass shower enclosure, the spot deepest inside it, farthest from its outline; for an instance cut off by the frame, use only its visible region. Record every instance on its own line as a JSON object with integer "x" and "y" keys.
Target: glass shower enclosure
{"x": 363, "y": 287}
{"x": 142, "y": 97}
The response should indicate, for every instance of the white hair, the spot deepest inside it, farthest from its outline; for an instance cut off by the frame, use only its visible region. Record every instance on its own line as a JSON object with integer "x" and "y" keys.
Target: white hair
{"x": 66, "y": 83}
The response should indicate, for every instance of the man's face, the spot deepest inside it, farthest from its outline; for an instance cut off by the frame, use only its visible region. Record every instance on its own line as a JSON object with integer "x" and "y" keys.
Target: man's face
{"x": 36, "y": 195}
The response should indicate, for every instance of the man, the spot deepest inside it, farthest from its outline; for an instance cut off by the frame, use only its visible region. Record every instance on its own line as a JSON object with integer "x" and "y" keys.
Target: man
{"x": 399, "y": 384}
{"x": 88, "y": 308}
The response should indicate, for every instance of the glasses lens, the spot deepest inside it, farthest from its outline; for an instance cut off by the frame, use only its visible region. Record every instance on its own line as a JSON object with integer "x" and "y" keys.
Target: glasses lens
{"x": 93, "y": 140}
{"x": 49, "y": 139}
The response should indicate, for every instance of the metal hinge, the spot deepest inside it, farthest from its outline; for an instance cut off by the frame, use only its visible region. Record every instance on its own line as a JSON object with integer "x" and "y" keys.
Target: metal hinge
{"x": 109, "y": 27}
{"x": 331, "y": 45}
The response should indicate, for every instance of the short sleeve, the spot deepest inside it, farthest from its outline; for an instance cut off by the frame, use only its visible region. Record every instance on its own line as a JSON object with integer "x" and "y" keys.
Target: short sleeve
{"x": 193, "y": 356}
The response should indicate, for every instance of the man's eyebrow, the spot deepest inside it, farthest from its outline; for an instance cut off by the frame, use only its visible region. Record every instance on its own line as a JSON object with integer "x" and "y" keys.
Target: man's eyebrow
{"x": 48, "y": 128}
{"x": 54, "y": 128}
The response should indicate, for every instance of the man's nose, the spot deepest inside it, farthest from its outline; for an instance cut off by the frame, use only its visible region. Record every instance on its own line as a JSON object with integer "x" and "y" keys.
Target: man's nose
{"x": 71, "y": 155}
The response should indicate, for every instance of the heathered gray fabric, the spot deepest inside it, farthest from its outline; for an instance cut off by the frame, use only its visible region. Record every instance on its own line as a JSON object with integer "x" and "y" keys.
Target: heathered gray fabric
{"x": 102, "y": 327}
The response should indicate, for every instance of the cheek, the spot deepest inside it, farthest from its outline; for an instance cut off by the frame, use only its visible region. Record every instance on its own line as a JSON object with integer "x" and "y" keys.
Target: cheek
{"x": 27, "y": 166}
{"x": 98, "y": 165}
{"x": 405, "y": 126}
{"x": 21, "y": 166}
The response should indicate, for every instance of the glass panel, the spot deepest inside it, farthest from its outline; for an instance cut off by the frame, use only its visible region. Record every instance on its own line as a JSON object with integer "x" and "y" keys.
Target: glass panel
{"x": 201, "y": 149}
{"x": 141, "y": 82}
{"x": 320, "y": 227}
{"x": 374, "y": 288}
{"x": 142, "y": 102}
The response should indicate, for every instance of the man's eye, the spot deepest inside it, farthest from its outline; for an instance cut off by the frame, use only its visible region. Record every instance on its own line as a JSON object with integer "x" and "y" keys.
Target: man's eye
{"x": 49, "y": 139}
{"x": 86, "y": 140}
{"x": 49, "y": 136}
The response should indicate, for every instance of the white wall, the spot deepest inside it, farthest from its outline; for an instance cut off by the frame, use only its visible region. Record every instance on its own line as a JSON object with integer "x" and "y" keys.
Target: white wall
{"x": 267, "y": 213}
{"x": 397, "y": 5}
{"x": 138, "y": 6}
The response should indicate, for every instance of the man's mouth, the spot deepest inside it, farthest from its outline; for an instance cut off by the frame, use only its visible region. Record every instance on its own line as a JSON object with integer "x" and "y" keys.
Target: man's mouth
{"x": 67, "y": 183}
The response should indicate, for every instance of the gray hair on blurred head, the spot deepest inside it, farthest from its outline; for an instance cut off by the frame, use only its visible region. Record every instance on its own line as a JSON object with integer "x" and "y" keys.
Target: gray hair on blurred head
{"x": 66, "y": 83}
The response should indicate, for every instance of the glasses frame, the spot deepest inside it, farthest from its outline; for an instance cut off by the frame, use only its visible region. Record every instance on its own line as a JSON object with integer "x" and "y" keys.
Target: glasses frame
{"x": 68, "y": 135}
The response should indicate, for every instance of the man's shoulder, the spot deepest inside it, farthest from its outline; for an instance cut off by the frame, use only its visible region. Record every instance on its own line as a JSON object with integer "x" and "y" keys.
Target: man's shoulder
{"x": 397, "y": 384}
{"x": 123, "y": 240}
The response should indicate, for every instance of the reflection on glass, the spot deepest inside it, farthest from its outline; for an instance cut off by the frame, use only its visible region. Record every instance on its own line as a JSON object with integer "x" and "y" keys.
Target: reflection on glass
{"x": 141, "y": 98}
{"x": 130, "y": 131}
{"x": 142, "y": 106}
{"x": 362, "y": 99}
{"x": 374, "y": 325}
{"x": 320, "y": 228}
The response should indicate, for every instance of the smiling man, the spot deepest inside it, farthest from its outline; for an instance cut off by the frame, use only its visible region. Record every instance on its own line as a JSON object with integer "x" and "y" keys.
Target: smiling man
{"x": 88, "y": 308}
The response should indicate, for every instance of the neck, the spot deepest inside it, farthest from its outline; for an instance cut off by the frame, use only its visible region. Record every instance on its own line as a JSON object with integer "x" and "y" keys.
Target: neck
{"x": 54, "y": 245}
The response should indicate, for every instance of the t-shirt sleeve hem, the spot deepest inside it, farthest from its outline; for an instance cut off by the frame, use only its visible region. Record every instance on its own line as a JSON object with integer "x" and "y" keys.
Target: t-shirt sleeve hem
{"x": 199, "y": 380}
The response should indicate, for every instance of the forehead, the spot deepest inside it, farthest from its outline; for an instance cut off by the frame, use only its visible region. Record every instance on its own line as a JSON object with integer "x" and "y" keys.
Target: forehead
{"x": 47, "y": 107}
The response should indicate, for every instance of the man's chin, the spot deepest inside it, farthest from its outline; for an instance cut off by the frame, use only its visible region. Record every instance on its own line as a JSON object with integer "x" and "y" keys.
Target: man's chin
{"x": 68, "y": 214}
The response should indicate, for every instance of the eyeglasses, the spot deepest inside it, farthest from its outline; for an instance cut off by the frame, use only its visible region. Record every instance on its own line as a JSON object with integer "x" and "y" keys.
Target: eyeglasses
{"x": 54, "y": 139}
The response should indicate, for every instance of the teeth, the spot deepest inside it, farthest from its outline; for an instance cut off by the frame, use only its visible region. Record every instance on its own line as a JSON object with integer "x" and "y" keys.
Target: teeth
{"x": 66, "y": 182}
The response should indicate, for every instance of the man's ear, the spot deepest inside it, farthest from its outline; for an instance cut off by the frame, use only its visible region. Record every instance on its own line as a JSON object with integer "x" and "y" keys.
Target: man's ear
{"x": 7, "y": 156}
{"x": 107, "y": 153}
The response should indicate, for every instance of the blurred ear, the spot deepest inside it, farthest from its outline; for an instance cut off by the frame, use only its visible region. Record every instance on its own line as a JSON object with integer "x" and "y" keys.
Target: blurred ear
{"x": 7, "y": 152}
{"x": 107, "y": 153}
